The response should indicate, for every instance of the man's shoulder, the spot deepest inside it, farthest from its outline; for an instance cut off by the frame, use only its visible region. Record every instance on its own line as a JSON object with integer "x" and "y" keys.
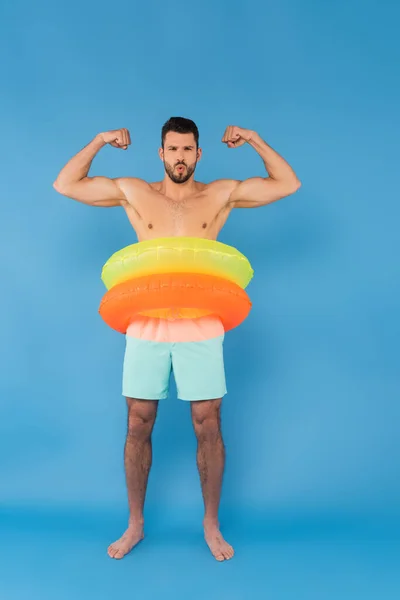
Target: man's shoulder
{"x": 223, "y": 184}
{"x": 222, "y": 188}
{"x": 132, "y": 182}
{"x": 133, "y": 188}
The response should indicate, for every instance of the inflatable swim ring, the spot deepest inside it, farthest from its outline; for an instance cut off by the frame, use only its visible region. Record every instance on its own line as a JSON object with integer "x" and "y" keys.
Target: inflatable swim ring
{"x": 177, "y": 255}
{"x": 176, "y": 278}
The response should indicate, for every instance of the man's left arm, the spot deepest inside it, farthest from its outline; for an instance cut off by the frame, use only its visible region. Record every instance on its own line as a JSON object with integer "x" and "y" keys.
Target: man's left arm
{"x": 259, "y": 191}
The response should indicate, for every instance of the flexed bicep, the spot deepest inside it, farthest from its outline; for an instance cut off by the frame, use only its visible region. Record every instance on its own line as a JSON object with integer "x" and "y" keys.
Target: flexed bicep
{"x": 95, "y": 191}
{"x": 73, "y": 180}
{"x": 259, "y": 191}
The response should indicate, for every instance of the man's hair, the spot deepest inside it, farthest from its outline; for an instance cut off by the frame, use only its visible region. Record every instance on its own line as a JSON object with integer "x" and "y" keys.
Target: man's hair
{"x": 180, "y": 125}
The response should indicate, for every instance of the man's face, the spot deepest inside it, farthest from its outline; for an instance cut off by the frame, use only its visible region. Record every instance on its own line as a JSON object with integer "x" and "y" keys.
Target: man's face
{"x": 179, "y": 156}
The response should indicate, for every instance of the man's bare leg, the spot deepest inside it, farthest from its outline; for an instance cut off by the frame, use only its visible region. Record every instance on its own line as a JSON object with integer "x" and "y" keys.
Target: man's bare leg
{"x": 138, "y": 456}
{"x": 206, "y": 416}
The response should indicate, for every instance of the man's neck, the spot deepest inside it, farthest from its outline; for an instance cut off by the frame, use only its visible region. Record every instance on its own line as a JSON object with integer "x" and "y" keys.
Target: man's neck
{"x": 178, "y": 191}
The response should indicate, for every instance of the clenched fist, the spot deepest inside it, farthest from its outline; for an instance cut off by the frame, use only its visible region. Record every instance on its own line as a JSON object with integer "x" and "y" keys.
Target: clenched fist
{"x": 118, "y": 138}
{"x": 236, "y": 136}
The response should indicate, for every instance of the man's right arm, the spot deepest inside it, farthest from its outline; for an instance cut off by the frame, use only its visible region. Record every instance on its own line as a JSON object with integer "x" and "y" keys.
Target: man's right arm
{"x": 73, "y": 180}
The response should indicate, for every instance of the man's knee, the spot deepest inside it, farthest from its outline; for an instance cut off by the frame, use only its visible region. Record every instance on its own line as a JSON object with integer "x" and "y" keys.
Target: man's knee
{"x": 206, "y": 418}
{"x": 141, "y": 418}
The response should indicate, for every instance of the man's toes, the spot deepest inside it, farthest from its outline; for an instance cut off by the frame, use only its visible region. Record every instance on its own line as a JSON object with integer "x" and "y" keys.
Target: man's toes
{"x": 113, "y": 551}
{"x": 218, "y": 555}
{"x": 228, "y": 552}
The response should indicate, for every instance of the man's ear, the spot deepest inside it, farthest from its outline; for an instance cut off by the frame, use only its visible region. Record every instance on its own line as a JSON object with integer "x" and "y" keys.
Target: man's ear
{"x": 161, "y": 154}
{"x": 199, "y": 154}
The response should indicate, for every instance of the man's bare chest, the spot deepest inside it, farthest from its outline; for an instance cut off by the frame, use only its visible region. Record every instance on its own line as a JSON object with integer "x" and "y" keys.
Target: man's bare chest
{"x": 201, "y": 209}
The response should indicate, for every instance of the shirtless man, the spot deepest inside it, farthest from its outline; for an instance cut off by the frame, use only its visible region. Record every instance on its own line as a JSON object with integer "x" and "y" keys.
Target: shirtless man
{"x": 176, "y": 206}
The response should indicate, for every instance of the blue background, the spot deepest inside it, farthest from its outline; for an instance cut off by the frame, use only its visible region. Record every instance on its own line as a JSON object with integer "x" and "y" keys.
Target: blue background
{"x": 311, "y": 493}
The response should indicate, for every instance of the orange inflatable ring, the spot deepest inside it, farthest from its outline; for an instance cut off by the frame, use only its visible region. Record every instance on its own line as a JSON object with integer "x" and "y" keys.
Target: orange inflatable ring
{"x": 182, "y": 295}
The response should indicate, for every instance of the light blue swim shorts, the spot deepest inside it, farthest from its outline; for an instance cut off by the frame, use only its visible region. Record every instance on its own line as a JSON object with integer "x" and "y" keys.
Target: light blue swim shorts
{"x": 198, "y": 369}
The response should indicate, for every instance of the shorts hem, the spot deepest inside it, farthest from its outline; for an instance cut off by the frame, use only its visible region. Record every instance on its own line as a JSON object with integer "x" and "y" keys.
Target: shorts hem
{"x": 186, "y": 398}
{"x": 145, "y": 396}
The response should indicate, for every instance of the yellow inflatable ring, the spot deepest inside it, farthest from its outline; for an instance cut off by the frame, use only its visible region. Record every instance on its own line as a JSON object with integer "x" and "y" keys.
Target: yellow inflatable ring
{"x": 177, "y": 255}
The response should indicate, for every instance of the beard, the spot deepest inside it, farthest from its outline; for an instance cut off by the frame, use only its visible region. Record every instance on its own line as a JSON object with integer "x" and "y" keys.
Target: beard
{"x": 177, "y": 177}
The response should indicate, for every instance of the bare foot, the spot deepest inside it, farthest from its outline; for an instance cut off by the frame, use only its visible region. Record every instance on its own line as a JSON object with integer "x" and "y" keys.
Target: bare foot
{"x": 132, "y": 536}
{"x": 220, "y": 549}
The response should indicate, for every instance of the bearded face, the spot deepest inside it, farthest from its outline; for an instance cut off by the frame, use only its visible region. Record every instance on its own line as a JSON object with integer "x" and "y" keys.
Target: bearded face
{"x": 180, "y": 156}
{"x": 180, "y": 172}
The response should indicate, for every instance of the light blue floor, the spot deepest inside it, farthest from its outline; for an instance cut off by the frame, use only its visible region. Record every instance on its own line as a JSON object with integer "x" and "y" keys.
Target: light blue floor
{"x": 62, "y": 556}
